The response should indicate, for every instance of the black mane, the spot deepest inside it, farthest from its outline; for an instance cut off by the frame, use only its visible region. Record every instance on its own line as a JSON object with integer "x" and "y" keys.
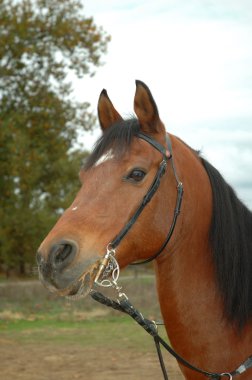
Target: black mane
{"x": 118, "y": 138}
{"x": 231, "y": 240}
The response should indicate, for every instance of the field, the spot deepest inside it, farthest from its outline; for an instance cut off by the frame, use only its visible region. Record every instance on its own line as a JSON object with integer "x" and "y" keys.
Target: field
{"x": 48, "y": 338}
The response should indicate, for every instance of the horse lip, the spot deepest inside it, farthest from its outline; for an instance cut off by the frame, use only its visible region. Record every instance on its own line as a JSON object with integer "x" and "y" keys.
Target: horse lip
{"x": 82, "y": 286}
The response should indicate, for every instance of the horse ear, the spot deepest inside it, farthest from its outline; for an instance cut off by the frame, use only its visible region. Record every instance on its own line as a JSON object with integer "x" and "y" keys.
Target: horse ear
{"x": 146, "y": 108}
{"x": 107, "y": 113}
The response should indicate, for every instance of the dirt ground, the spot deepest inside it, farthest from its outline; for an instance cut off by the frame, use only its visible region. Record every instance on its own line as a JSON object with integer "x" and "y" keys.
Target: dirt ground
{"x": 45, "y": 362}
{"x": 34, "y": 359}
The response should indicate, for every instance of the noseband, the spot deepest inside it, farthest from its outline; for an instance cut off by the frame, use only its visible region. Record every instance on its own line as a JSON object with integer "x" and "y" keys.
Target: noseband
{"x": 167, "y": 156}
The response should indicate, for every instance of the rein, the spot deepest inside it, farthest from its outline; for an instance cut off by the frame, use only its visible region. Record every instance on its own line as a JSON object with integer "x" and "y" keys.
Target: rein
{"x": 124, "y": 305}
{"x": 108, "y": 271}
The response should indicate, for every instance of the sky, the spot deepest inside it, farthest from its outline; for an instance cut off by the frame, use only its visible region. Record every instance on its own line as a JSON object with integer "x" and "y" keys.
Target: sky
{"x": 196, "y": 58}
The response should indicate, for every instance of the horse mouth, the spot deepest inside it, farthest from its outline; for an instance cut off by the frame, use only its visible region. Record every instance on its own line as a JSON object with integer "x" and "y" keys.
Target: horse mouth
{"x": 80, "y": 289}
{"x": 82, "y": 286}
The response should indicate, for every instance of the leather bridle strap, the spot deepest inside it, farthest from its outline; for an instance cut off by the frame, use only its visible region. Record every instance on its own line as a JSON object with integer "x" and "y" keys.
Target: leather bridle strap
{"x": 167, "y": 155}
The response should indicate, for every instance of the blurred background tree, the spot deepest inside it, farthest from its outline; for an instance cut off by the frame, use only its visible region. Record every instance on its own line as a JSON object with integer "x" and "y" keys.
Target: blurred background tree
{"x": 42, "y": 43}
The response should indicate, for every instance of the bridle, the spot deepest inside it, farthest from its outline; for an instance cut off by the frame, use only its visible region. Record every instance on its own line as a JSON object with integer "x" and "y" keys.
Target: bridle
{"x": 108, "y": 271}
{"x": 109, "y": 265}
{"x": 167, "y": 155}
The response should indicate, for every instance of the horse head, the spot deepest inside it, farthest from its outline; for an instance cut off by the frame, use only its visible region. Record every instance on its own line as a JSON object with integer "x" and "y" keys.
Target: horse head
{"x": 114, "y": 180}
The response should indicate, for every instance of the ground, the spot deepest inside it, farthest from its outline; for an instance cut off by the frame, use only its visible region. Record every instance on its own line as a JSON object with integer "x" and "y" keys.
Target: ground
{"x": 43, "y": 337}
{"x": 47, "y": 362}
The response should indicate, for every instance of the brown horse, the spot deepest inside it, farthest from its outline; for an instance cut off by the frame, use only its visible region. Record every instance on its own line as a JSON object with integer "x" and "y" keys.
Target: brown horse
{"x": 204, "y": 273}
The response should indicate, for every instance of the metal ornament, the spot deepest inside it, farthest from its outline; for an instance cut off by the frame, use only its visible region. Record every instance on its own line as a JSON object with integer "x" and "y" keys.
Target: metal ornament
{"x": 109, "y": 271}
{"x": 227, "y": 374}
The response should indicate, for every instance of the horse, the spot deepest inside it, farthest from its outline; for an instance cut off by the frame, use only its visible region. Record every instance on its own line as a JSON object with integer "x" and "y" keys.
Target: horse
{"x": 203, "y": 274}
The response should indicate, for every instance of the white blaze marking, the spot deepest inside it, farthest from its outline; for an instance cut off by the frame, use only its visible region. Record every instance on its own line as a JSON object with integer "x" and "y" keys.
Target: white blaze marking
{"x": 107, "y": 156}
{"x": 74, "y": 208}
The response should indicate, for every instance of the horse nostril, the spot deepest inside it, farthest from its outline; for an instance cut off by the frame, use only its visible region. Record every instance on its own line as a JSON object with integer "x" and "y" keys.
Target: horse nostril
{"x": 62, "y": 254}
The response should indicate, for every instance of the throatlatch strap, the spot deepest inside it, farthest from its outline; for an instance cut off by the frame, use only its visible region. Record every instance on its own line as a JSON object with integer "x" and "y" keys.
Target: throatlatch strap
{"x": 169, "y": 235}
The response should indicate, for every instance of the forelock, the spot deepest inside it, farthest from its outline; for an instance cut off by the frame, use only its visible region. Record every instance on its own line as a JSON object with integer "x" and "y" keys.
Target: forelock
{"x": 116, "y": 139}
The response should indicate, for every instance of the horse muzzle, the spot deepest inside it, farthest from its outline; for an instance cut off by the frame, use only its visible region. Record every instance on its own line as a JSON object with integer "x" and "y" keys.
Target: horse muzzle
{"x": 62, "y": 273}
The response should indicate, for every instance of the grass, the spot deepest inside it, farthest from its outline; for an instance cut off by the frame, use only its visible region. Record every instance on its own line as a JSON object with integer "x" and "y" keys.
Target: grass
{"x": 111, "y": 331}
{"x": 31, "y": 301}
{"x": 28, "y": 316}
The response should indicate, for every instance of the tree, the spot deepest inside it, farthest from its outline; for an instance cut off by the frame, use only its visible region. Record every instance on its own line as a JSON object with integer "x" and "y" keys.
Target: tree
{"x": 42, "y": 43}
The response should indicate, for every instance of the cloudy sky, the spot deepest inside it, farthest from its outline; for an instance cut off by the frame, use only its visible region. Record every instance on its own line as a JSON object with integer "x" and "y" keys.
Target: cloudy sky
{"x": 196, "y": 57}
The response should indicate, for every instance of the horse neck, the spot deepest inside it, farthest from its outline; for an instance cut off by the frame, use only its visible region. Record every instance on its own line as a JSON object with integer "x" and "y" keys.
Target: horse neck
{"x": 190, "y": 302}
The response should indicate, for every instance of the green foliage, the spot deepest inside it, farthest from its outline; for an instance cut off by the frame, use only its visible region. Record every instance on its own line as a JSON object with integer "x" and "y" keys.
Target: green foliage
{"x": 42, "y": 44}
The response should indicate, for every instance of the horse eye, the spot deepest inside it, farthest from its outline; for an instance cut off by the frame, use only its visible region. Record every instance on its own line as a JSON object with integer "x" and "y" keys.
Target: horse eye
{"x": 136, "y": 175}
